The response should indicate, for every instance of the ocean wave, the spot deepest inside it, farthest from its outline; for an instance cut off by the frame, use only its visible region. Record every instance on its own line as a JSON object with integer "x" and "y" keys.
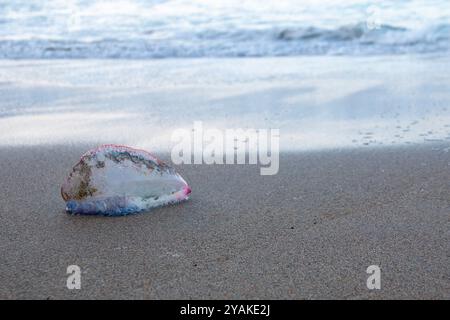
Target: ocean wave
{"x": 343, "y": 33}
{"x": 356, "y": 39}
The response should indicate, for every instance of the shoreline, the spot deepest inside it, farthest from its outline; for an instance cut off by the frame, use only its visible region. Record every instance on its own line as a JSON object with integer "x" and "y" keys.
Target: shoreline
{"x": 316, "y": 102}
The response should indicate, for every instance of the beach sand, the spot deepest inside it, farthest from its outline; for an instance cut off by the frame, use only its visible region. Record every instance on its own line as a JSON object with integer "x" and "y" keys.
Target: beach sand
{"x": 364, "y": 179}
{"x": 309, "y": 232}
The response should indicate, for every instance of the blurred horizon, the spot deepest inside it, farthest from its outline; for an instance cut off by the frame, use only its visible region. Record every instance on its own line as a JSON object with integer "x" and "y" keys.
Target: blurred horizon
{"x": 233, "y": 28}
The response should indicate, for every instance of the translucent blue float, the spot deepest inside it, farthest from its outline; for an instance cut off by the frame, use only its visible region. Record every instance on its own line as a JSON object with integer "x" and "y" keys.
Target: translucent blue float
{"x": 118, "y": 180}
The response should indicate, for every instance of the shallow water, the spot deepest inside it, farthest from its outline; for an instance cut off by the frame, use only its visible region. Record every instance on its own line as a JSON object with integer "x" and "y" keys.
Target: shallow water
{"x": 316, "y": 102}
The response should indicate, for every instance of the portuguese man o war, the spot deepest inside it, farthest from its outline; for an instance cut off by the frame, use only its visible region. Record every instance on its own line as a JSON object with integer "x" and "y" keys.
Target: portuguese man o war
{"x": 114, "y": 180}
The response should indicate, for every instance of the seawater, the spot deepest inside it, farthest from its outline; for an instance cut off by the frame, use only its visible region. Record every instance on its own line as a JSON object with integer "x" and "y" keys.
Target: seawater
{"x": 221, "y": 28}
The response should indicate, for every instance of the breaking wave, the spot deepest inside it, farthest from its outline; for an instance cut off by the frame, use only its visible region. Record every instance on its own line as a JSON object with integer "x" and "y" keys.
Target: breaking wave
{"x": 345, "y": 40}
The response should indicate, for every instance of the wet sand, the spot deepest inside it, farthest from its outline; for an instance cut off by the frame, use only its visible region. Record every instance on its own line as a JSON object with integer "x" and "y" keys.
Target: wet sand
{"x": 309, "y": 232}
{"x": 316, "y": 102}
{"x": 364, "y": 178}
